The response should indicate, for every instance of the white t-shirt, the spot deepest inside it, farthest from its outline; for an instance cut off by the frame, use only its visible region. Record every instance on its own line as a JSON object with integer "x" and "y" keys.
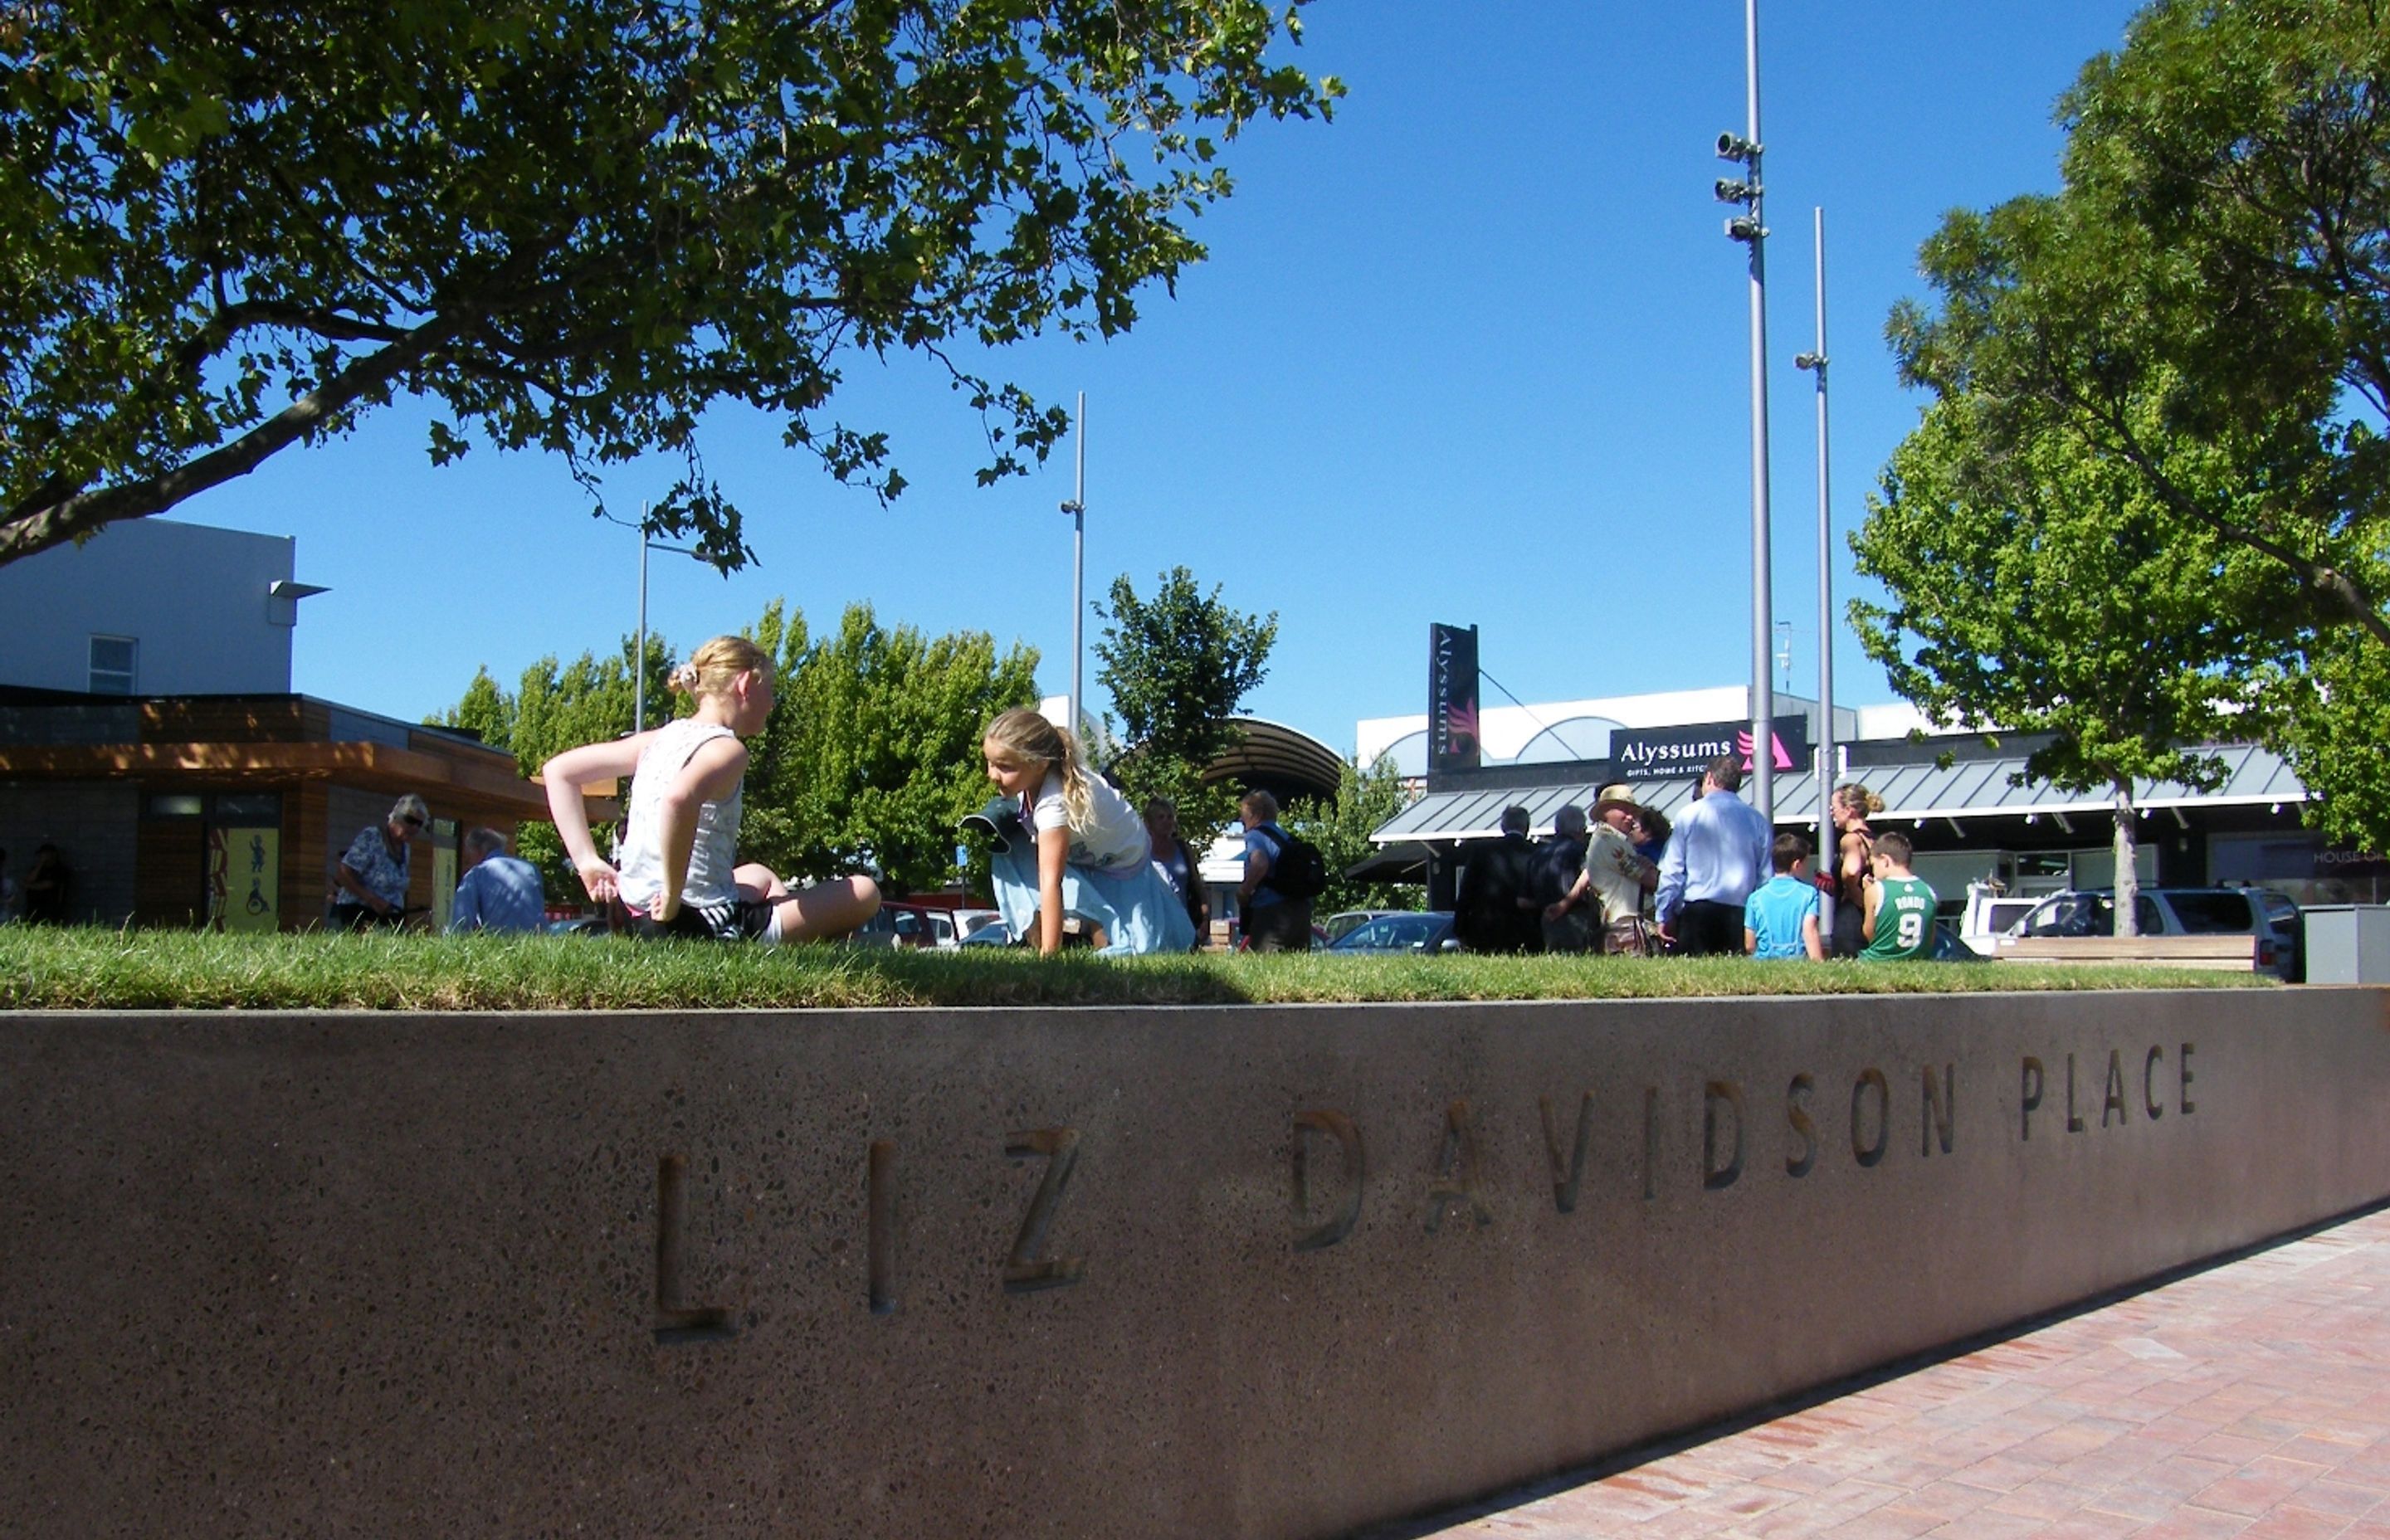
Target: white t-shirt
{"x": 1114, "y": 840}
{"x": 716, "y": 854}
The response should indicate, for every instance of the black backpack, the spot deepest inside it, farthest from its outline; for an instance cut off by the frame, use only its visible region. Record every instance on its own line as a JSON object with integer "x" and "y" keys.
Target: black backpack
{"x": 1299, "y": 871}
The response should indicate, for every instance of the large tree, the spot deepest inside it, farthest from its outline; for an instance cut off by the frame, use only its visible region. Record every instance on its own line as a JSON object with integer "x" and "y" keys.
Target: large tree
{"x": 2213, "y": 280}
{"x": 872, "y": 755}
{"x": 574, "y": 225}
{"x": 1179, "y": 665}
{"x": 2047, "y": 592}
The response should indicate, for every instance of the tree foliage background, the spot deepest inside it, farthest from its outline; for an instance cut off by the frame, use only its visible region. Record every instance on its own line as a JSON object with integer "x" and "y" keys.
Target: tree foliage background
{"x": 575, "y": 225}
{"x": 2204, "y": 308}
{"x": 868, "y": 761}
{"x": 1178, "y": 666}
{"x": 1341, "y": 826}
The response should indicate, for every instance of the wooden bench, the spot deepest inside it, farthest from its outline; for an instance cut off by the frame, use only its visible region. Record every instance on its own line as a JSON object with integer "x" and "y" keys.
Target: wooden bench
{"x": 2224, "y": 953}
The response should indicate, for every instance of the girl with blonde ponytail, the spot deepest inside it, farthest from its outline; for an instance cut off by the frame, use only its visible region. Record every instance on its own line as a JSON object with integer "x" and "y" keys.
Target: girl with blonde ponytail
{"x": 1068, "y": 844}
{"x": 679, "y": 874}
{"x": 1850, "y": 871}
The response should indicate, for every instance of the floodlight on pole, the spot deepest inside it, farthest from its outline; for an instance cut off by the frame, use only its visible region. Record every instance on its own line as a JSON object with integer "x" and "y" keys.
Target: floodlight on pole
{"x": 1077, "y": 509}
{"x": 1750, "y": 229}
{"x": 1815, "y": 361}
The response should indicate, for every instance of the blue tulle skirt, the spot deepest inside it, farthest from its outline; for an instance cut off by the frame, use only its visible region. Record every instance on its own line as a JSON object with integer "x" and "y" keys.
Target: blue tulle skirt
{"x": 1140, "y": 911}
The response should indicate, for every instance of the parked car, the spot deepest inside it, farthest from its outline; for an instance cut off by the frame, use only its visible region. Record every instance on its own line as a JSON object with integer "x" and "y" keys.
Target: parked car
{"x": 994, "y": 934}
{"x": 2271, "y": 917}
{"x": 1335, "y": 925}
{"x": 968, "y": 922}
{"x": 907, "y": 925}
{"x": 1412, "y": 930}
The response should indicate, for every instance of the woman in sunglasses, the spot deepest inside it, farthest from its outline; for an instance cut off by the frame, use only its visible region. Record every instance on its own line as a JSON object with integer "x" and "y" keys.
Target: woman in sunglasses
{"x": 371, "y": 879}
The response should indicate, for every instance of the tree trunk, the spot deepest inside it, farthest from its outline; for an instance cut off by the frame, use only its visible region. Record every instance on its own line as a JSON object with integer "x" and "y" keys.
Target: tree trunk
{"x": 2128, "y": 877}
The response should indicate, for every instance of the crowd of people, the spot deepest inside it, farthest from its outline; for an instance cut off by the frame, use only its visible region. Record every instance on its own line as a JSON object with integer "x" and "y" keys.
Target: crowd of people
{"x": 1073, "y": 861}
{"x": 1617, "y": 878}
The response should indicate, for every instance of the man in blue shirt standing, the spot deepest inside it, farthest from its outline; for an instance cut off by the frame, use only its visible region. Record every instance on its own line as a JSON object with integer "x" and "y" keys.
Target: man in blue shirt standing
{"x": 502, "y": 892}
{"x": 1719, "y": 851}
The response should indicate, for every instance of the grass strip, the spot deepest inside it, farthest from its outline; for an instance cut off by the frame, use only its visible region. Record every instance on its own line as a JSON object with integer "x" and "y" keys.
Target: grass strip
{"x": 99, "y": 969}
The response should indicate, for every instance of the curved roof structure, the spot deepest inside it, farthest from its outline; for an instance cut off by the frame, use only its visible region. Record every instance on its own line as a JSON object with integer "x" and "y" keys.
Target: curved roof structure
{"x": 1283, "y": 761}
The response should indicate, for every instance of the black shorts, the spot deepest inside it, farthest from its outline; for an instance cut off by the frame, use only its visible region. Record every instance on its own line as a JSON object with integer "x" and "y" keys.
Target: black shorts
{"x": 734, "y": 919}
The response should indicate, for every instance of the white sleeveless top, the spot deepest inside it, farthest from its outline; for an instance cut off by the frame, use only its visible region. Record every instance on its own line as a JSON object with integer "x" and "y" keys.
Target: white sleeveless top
{"x": 713, "y": 857}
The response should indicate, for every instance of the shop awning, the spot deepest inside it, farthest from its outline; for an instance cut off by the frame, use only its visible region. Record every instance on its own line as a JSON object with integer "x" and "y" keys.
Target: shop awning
{"x": 1975, "y": 788}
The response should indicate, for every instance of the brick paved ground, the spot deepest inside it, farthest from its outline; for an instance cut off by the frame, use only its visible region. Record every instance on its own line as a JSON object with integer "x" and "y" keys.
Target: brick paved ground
{"x": 2250, "y": 1400}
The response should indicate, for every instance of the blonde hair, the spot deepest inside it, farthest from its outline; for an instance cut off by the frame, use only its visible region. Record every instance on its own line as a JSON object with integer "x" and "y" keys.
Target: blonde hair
{"x": 1028, "y": 736}
{"x": 714, "y": 667}
{"x": 1851, "y": 794}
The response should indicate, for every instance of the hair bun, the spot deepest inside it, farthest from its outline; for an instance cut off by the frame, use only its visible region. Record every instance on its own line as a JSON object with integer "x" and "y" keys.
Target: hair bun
{"x": 683, "y": 680}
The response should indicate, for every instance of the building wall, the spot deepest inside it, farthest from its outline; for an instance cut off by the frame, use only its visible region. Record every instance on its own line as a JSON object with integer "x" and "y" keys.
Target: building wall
{"x": 193, "y": 598}
{"x": 92, "y": 823}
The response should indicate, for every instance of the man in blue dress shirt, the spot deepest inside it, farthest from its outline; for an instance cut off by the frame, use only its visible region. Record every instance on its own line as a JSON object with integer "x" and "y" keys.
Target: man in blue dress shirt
{"x": 502, "y": 892}
{"x": 1719, "y": 851}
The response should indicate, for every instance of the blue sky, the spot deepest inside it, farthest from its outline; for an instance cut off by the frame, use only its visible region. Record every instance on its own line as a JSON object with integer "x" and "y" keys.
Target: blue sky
{"x": 1473, "y": 353}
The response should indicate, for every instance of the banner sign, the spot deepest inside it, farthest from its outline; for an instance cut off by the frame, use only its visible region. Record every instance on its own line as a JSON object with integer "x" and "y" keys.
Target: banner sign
{"x": 1663, "y": 753}
{"x": 1451, "y": 698}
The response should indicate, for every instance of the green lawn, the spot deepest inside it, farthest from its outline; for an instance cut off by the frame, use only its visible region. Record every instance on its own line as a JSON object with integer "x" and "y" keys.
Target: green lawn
{"x": 51, "y": 970}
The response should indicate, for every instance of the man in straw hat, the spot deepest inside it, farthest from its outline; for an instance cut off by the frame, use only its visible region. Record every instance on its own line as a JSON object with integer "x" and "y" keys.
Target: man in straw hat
{"x": 1614, "y": 878}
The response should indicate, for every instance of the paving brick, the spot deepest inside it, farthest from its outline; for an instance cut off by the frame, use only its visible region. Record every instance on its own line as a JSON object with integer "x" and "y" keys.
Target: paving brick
{"x": 2246, "y": 1400}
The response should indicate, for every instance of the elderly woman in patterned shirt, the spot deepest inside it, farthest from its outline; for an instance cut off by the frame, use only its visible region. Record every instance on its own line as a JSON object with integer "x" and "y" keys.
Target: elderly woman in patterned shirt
{"x": 371, "y": 876}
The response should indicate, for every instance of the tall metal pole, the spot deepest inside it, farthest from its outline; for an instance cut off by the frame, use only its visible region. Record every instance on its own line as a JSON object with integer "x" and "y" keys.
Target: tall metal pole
{"x": 1816, "y": 363}
{"x": 1763, "y": 694}
{"x": 639, "y": 689}
{"x": 1077, "y": 509}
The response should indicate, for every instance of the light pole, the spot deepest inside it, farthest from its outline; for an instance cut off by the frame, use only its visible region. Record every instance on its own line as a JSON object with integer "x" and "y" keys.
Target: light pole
{"x": 639, "y": 676}
{"x": 1077, "y": 509}
{"x": 1815, "y": 361}
{"x": 1748, "y": 229}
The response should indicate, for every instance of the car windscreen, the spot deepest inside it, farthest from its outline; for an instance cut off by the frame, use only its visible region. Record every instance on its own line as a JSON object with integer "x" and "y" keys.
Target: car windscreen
{"x": 2210, "y": 914}
{"x": 1388, "y": 931}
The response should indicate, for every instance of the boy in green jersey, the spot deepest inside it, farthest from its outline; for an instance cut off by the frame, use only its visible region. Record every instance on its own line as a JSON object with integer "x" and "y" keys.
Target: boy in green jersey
{"x": 1899, "y": 920}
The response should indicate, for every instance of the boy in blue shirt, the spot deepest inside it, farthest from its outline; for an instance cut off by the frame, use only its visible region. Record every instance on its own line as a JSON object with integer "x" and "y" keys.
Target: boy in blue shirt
{"x": 1781, "y": 918}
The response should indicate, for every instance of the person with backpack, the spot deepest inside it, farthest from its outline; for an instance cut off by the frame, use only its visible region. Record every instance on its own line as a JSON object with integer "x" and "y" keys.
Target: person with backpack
{"x": 1282, "y": 875}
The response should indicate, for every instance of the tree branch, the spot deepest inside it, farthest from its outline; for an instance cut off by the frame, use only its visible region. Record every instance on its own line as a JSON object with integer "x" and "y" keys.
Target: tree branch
{"x": 37, "y": 524}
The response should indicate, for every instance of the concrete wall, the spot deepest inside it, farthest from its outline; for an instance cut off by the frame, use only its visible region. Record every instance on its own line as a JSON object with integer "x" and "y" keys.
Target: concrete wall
{"x": 193, "y": 597}
{"x": 1260, "y": 1272}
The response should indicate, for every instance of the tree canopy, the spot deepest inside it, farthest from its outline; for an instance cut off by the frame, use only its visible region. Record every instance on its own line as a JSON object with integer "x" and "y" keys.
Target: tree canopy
{"x": 575, "y": 225}
{"x": 1179, "y": 665}
{"x": 2210, "y": 289}
{"x": 1341, "y": 826}
{"x": 868, "y": 760}
{"x": 2058, "y": 597}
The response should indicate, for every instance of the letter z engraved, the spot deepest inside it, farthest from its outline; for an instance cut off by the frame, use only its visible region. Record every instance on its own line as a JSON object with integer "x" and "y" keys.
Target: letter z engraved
{"x": 1024, "y": 1271}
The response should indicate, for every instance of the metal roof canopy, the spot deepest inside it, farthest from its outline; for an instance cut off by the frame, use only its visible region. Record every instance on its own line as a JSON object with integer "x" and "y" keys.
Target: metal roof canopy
{"x": 1978, "y": 788}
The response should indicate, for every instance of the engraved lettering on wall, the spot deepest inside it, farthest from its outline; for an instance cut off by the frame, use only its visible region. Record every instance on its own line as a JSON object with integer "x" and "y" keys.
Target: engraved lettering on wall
{"x": 1566, "y": 1181}
{"x": 2113, "y": 1099}
{"x": 2029, "y": 1089}
{"x": 1941, "y": 1097}
{"x": 2150, "y": 1102}
{"x": 879, "y": 1225}
{"x": 1797, "y": 1115}
{"x": 1455, "y": 1180}
{"x": 2182, "y": 1063}
{"x": 1720, "y": 1096}
{"x": 1027, "y": 1270}
{"x": 1310, "y": 1235}
{"x": 1867, "y": 1154}
{"x": 677, "y": 1321}
{"x": 2073, "y": 1121}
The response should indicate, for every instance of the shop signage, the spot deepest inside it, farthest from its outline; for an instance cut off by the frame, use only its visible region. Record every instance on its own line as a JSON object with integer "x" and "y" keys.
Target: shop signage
{"x": 1665, "y": 753}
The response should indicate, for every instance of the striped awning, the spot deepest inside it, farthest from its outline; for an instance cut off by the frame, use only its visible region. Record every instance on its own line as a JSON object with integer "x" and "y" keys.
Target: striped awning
{"x": 1976, "y": 789}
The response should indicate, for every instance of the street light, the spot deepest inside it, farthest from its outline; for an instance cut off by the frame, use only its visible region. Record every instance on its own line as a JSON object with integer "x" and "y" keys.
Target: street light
{"x": 1815, "y": 361}
{"x": 1750, "y": 230}
{"x": 639, "y": 684}
{"x": 1077, "y": 509}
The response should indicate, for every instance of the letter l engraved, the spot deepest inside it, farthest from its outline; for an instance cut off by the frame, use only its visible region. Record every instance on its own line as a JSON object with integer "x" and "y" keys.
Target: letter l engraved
{"x": 677, "y": 1323}
{"x": 1337, "y": 1126}
{"x": 879, "y": 1225}
{"x": 1565, "y": 1184}
{"x": 1024, "y": 1271}
{"x": 2074, "y": 1123}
